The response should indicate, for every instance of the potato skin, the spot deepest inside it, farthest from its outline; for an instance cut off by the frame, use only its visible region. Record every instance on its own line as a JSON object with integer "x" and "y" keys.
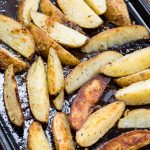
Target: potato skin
{"x": 132, "y": 140}
{"x": 86, "y": 98}
{"x": 117, "y": 12}
{"x": 62, "y": 133}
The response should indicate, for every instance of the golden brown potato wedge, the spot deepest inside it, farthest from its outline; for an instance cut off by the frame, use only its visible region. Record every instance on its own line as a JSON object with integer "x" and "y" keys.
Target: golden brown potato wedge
{"x": 16, "y": 36}
{"x": 38, "y": 91}
{"x": 87, "y": 69}
{"x": 62, "y": 133}
{"x": 11, "y": 98}
{"x": 135, "y": 94}
{"x": 117, "y": 12}
{"x": 126, "y": 65}
{"x": 81, "y": 14}
{"x": 59, "y": 100}
{"x": 132, "y": 140}
{"x": 36, "y": 138}
{"x": 24, "y": 9}
{"x": 137, "y": 118}
{"x": 99, "y": 123}
{"x": 44, "y": 43}
{"x": 48, "y": 8}
{"x": 99, "y": 6}
{"x": 128, "y": 80}
{"x": 6, "y": 58}
{"x": 86, "y": 99}
{"x": 115, "y": 36}
{"x": 54, "y": 73}
{"x": 57, "y": 31}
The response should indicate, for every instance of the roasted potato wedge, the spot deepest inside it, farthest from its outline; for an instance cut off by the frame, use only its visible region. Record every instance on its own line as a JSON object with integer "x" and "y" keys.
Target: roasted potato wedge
{"x": 81, "y": 14}
{"x": 36, "y": 138}
{"x": 54, "y": 73}
{"x": 16, "y": 36}
{"x": 86, "y": 98}
{"x": 137, "y": 118}
{"x": 117, "y": 12}
{"x": 99, "y": 6}
{"x": 115, "y": 36}
{"x": 11, "y": 98}
{"x": 87, "y": 69}
{"x": 62, "y": 133}
{"x": 59, "y": 32}
{"x": 135, "y": 94}
{"x": 24, "y": 9}
{"x": 126, "y": 65}
{"x": 44, "y": 43}
{"x": 99, "y": 123}
{"x": 38, "y": 91}
{"x": 132, "y": 140}
{"x": 6, "y": 58}
{"x": 128, "y": 80}
{"x": 59, "y": 100}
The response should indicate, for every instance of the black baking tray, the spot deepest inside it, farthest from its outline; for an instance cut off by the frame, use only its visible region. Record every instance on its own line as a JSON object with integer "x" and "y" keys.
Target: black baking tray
{"x": 13, "y": 138}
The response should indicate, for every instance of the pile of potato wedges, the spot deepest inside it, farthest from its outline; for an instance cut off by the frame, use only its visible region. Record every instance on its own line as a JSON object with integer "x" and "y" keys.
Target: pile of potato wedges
{"x": 50, "y": 33}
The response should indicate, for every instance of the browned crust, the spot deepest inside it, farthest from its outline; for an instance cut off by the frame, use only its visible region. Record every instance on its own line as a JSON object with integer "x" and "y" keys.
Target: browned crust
{"x": 86, "y": 98}
{"x": 44, "y": 42}
{"x": 20, "y": 10}
{"x": 132, "y": 140}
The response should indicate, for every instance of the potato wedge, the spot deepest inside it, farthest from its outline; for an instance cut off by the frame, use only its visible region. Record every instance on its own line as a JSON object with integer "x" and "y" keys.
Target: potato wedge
{"x": 132, "y": 140}
{"x": 115, "y": 36}
{"x": 24, "y": 9}
{"x": 117, "y": 13}
{"x": 38, "y": 91}
{"x": 62, "y": 133}
{"x": 16, "y": 36}
{"x": 44, "y": 42}
{"x": 36, "y": 138}
{"x": 137, "y": 118}
{"x": 11, "y": 98}
{"x": 87, "y": 69}
{"x": 99, "y": 6}
{"x": 6, "y": 58}
{"x": 135, "y": 94}
{"x": 99, "y": 123}
{"x": 81, "y": 14}
{"x": 54, "y": 73}
{"x": 59, "y": 100}
{"x": 128, "y": 80}
{"x": 58, "y": 32}
{"x": 126, "y": 65}
{"x": 86, "y": 99}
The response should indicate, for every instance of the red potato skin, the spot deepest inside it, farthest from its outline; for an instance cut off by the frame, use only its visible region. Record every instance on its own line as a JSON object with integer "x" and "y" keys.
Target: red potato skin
{"x": 132, "y": 140}
{"x": 86, "y": 98}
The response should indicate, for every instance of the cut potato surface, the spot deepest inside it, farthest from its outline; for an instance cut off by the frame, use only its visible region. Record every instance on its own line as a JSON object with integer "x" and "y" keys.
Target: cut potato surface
{"x": 128, "y": 80}
{"x": 6, "y": 59}
{"x": 99, "y": 6}
{"x": 11, "y": 98}
{"x": 37, "y": 139}
{"x": 117, "y": 12}
{"x": 138, "y": 118}
{"x": 24, "y": 9}
{"x": 81, "y": 14}
{"x": 38, "y": 91}
{"x": 16, "y": 36}
{"x": 87, "y": 69}
{"x": 135, "y": 94}
{"x": 57, "y": 31}
{"x": 99, "y": 123}
{"x": 115, "y": 36}
{"x": 62, "y": 133}
{"x": 129, "y": 64}
{"x": 132, "y": 140}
